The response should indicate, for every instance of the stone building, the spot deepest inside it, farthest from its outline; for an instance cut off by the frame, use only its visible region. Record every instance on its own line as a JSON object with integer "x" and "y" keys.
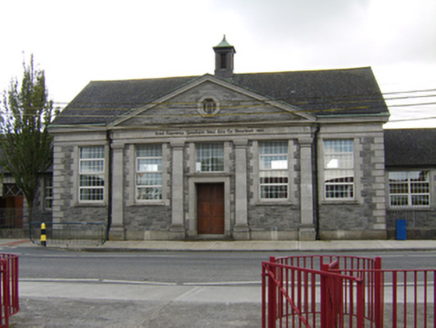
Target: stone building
{"x": 288, "y": 155}
{"x": 410, "y": 159}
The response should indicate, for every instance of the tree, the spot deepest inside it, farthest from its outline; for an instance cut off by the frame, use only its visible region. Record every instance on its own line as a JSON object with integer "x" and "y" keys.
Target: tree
{"x": 26, "y": 146}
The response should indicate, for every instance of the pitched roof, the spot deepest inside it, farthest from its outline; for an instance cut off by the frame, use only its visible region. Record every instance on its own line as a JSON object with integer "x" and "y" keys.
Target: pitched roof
{"x": 323, "y": 93}
{"x": 410, "y": 147}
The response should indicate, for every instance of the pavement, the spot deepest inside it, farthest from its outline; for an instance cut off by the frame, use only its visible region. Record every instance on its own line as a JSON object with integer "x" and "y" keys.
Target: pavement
{"x": 106, "y": 303}
{"x": 237, "y": 246}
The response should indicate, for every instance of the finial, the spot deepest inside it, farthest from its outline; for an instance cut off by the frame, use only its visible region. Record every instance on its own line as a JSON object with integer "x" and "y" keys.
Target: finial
{"x": 224, "y": 43}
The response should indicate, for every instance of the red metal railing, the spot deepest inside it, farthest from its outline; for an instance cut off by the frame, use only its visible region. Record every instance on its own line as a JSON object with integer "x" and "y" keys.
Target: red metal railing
{"x": 9, "y": 300}
{"x": 402, "y": 298}
{"x": 345, "y": 291}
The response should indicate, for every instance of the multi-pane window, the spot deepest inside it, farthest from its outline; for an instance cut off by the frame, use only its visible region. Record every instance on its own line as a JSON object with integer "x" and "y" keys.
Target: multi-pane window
{"x": 48, "y": 193}
{"x": 149, "y": 172}
{"x": 209, "y": 157}
{"x": 338, "y": 169}
{"x": 91, "y": 173}
{"x": 273, "y": 169}
{"x": 410, "y": 188}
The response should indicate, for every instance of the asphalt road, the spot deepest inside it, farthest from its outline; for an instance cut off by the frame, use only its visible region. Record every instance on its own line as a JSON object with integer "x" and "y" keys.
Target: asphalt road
{"x": 175, "y": 267}
{"x": 53, "y": 294}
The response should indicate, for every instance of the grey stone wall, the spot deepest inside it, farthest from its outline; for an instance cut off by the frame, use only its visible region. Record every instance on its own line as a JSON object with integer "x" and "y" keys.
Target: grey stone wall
{"x": 64, "y": 207}
{"x": 235, "y": 107}
{"x": 363, "y": 218}
{"x": 420, "y": 223}
{"x": 281, "y": 216}
{"x": 138, "y": 217}
{"x": 278, "y": 217}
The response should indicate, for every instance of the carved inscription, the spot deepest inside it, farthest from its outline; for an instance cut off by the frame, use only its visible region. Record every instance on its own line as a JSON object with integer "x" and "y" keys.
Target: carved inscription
{"x": 208, "y": 132}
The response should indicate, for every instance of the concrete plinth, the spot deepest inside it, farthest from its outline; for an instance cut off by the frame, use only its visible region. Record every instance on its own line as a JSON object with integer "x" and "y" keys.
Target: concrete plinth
{"x": 116, "y": 233}
{"x": 241, "y": 232}
{"x": 177, "y": 232}
{"x": 306, "y": 233}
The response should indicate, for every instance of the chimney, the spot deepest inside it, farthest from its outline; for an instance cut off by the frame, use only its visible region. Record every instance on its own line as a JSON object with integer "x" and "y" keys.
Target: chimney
{"x": 224, "y": 53}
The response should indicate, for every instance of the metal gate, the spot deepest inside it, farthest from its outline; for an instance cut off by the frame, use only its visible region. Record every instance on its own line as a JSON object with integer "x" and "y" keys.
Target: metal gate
{"x": 344, "y": 291}
{"x": 9, "y": 301}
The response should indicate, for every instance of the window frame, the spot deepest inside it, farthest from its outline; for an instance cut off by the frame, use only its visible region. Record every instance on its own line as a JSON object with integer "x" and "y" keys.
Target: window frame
{"x": 409, "y": 195}
{"x": 199, "y": 163}
{"x": 48, "y": 193}
{"x": 138, "y": 171}
{"x": 276, "y": 173}
{"x": 337, "y": 165}
{"x": 100, "y": 174}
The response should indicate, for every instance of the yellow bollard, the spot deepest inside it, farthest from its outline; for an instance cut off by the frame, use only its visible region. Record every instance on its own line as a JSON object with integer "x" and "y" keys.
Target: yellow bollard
{"x": 43, "y": 235}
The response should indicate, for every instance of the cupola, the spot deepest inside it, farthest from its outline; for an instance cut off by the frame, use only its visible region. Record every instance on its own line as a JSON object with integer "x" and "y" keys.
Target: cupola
{"x": 224, "y": 53}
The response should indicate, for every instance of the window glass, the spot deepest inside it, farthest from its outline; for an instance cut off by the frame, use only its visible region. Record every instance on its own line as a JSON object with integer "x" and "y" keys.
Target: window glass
{"x": 91, "y": 173}
{"x": 273, "y": 169}
{"x": 48, "y": 193}
{"x": 409, "y": 188}
{"x": 338, "y": 169}
{"x": 149, "y": 172}
{"x": 209, "y": 157}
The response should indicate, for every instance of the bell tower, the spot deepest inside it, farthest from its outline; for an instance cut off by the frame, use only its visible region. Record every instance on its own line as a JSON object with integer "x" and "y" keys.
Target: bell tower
{"x": 224, "y": 53}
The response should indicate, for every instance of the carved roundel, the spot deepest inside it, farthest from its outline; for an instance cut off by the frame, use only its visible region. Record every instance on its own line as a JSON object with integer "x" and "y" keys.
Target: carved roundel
{"x": 208, "y": 106}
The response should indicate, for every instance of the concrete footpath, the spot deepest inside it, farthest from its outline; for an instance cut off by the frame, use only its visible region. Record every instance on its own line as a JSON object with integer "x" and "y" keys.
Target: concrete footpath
{"x": 106, "y": 303}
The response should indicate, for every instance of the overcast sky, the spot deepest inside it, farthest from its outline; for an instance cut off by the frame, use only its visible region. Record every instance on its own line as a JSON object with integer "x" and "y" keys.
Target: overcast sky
{"x": 83, "y": 40}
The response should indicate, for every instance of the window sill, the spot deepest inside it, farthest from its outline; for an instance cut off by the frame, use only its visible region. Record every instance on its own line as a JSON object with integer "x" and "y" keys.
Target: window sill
{"x": 90, "y": 204}
{"x": 411, "y": 208}
{"x": 284, "y": 202}
{"x": 340, "y": 202}
{"x": 150, "y": 203}
{"x": 208, "y": 174}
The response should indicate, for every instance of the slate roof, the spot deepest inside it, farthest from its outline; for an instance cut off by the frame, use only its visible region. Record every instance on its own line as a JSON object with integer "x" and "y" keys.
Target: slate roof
{"x": 323, "y": 93}
{"x": 410, "y": 147}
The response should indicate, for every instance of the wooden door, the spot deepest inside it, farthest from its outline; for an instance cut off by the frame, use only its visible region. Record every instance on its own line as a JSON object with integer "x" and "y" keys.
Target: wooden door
{"x": 210, "y": 208}
{"x": 13, "y": 207}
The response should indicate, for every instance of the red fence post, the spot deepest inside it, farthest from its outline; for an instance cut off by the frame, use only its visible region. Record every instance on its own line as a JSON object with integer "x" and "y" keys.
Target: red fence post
{"x": 15, "y": 301}
{"x": 360, "y": 304}
{"x": 9, "y": 300}
{"x": 272, "y": 309}
{"x": 378, "y": 294}
{"x": 324, "y": 297}
{"x": 6, "y": 292}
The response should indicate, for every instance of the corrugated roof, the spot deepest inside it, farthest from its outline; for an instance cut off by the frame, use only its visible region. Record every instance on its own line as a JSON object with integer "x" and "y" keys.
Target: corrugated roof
{"x": 323, "y": 92}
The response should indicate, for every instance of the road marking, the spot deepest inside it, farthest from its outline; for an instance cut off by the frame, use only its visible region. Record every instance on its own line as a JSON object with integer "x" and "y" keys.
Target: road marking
{"x": 222, "y": 283}
{"x": 59, "y": 280}
{"x": 137, "y": 282}
{"x": 133, "y": 282}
